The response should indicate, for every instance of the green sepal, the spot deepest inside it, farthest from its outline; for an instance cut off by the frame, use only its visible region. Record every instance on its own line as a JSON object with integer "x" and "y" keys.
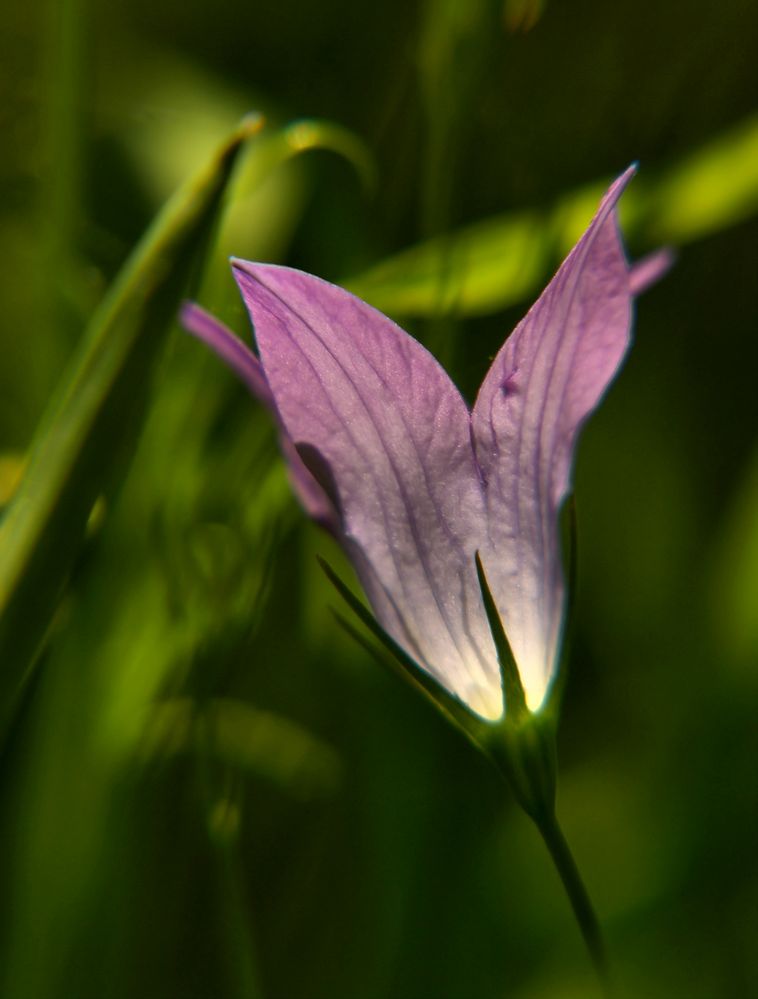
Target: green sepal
{"x": 522, "y": 743}
{"x": 525, "y": 755}
{"x": 513, "y": 690}
{"x": 405, "y": 666}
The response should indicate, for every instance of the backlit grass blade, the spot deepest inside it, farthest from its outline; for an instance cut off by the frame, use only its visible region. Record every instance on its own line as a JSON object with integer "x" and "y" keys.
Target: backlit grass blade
{"x": 499, "y": 261}
{"x": 89, "y": 429}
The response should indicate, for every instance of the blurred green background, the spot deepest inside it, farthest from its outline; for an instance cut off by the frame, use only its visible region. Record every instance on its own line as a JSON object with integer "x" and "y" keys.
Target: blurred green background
{"x": 206, "y": 788}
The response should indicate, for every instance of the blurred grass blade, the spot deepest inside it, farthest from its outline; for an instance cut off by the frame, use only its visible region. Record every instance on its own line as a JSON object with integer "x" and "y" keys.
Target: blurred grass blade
{"x": 501, "y": 260}
{"x": 486, "y": 266}
{"x": 92, "y": 423}
{"x": 275, "y": 147}
{"x": 708, "y": 191}
{"x": 249, "y": 739}
{"x": 270, "y": 193}
{"x": 314, "y": 133}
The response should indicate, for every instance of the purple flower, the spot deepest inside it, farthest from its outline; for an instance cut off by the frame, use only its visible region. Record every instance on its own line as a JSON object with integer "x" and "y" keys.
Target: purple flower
{"x": 383, "y": 451}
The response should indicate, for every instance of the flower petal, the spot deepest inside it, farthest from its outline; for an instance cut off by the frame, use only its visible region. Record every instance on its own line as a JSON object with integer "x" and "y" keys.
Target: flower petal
{"x": 249, "y": 369}
{"x": 545, "y": 381}
{"x": 388, "y": 435}
{"x": 650, "y": 269}
{"x": 236, "y": 354}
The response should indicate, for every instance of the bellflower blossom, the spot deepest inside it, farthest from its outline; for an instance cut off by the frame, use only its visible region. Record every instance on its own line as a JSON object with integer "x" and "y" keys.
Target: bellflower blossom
{"x": 383, "y": 451}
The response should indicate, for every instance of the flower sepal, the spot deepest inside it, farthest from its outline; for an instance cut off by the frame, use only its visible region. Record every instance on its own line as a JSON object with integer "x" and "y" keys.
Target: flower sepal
{"x": 476, "y": 729}
{"x": 524, "y": 753}
{"x": 521, "y": 744}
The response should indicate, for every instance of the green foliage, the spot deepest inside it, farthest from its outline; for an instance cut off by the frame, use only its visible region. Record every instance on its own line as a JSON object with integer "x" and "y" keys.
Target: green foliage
{"x": 501, "y": 260}
{"x": 86, "y": 435}
{"x": 206, "y": 788}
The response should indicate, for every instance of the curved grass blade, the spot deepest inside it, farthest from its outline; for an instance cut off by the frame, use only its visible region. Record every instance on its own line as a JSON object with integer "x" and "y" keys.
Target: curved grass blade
{"x": 315, "y": 133}
{"x": 86, "y": 436}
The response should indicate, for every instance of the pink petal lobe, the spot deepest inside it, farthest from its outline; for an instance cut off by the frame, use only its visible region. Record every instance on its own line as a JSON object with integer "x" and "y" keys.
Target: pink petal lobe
{"x": 646, "y": 272}
{"x": 383, "y": 424}
{"x": 543, "y": 384}
{"x": 243, "y": 362}
{"x": 235, "y": 354}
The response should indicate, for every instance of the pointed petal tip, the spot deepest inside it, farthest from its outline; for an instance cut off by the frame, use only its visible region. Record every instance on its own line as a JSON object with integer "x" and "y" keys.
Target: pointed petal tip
{"x": 227, "y": 346}
{"x": 618, "y": 186}
{"x": 191, "y": 315}
{"x": 239, "y": 264}
{"x": 201, "y": 323}
{"x": 247, "y": 275}
{"x": 626, "y": 175}
{"x": 650, "y": 269}
{"x": 263, "y": 274}
{"x": 252, "y": 267}
{"x": 654, "y": 266}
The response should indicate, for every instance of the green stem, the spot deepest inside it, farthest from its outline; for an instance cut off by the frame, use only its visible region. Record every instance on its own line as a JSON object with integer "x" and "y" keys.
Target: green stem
{"x": 565, "y": 864}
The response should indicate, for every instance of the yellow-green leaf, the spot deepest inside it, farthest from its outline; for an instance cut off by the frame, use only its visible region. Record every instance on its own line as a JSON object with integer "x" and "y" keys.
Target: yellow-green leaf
{"x": 499, "y": 261}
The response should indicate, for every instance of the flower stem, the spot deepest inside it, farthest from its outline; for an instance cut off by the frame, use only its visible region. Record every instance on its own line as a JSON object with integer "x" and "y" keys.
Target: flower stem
{"x": 565, "y": 864}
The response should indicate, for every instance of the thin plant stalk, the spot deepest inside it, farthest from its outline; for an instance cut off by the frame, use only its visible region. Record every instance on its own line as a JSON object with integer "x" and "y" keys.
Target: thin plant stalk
{"x": 578, "y": 896}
